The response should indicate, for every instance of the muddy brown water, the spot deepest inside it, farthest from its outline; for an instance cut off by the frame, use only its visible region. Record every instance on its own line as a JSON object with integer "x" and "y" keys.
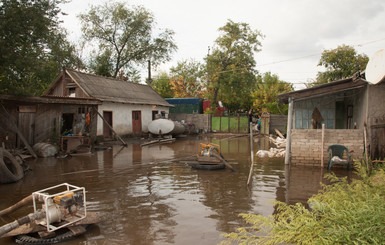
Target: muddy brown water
{"x": 142, "y": 199}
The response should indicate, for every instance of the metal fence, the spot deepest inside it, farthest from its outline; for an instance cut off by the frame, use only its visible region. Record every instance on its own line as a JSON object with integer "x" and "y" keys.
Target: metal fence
{"x": 230, "y": 124}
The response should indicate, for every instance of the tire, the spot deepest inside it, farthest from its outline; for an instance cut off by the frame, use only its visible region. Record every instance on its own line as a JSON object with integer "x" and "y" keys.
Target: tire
{"x": 208, "y": 166}
{"x": 34, "y": 239}
{"x": 10, "y": 170}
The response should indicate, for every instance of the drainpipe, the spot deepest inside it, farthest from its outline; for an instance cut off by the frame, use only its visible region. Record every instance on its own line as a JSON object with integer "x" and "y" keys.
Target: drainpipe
{"x": 289, "y": 127}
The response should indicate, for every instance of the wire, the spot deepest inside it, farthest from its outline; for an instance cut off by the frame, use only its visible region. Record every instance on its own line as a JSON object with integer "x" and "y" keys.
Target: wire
{"x": 311, "y": 55}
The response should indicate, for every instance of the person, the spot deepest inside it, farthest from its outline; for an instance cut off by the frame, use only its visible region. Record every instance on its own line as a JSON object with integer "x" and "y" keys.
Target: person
{"x": 259, "y": 122}
{"x": 250, "y": 115}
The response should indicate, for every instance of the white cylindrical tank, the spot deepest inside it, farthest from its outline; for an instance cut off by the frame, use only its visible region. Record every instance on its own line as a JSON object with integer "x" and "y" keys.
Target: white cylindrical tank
{"x": 165, "y": 126}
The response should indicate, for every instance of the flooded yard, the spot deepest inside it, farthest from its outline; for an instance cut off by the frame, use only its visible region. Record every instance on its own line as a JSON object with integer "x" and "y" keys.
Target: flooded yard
{"x": 142, "y": 199}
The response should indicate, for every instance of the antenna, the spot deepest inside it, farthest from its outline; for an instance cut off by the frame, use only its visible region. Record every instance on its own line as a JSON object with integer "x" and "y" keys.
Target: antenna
{"x": 375, "y": 69}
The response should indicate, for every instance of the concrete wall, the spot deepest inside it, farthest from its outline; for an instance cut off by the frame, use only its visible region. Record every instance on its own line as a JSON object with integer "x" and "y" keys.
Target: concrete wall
{"x": 202, "y": 122}
{"x": 122, "y": 116}
{"x": 306, "y": 144}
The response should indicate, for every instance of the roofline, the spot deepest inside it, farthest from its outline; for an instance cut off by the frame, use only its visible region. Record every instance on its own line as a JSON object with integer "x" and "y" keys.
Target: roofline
{"x": 327, "y": 88}
{"x": 50, "y": 100}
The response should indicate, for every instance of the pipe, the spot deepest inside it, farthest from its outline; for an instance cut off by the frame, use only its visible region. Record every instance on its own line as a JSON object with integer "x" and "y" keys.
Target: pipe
{"x": 24, "y": 220}
{"x": 16, "y": 206}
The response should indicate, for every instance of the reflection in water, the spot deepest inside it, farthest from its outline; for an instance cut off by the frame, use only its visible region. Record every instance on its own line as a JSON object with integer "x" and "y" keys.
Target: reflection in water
{"x": 144, "y": 200}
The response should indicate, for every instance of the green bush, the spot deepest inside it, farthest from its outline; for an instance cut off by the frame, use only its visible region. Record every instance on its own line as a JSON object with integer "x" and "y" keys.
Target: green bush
{"x": 342, "y": 213}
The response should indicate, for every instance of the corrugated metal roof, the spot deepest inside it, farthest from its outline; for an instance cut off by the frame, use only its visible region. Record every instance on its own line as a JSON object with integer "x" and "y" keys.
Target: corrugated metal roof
{"x": 323, "y": 89}
{"x": 193, "y": 101}
{"x": 114, "y": 90}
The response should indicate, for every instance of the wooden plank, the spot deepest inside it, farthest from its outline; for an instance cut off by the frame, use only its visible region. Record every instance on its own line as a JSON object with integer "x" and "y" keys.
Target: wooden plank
{"x": 322, "y": 145}
{"x": 225, "y": 162}
{"x": 208, "y": 159}
{"x": 160, "y": 141}
{"x": 77, "y": 229}
{"x": 13, "y": 127}
{"x": 279, "y": 133}
{"x": 92, "y": 218}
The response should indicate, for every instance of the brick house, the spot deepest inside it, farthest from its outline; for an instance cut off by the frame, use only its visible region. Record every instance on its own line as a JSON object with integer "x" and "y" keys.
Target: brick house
{"x": 344, "y": 107}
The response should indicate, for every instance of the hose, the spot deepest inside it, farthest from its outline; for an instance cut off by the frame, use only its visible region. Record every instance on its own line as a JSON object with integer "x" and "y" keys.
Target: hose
{"x": 24, "y": 220}
{"x": 16, "y": 206}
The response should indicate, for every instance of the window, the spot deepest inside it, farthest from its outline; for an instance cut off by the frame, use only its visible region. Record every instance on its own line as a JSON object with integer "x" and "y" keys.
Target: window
{"x": 302, "y": 118}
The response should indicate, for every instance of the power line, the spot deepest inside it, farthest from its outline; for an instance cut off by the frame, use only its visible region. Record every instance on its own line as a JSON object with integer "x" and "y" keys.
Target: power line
{"x": 311, "y": 55}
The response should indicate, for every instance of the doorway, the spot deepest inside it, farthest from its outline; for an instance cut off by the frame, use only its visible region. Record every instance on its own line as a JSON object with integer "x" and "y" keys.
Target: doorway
{"x": 136, "y": 122}
{"x": 67, "y": 123}
{"x": 107, "y": 132}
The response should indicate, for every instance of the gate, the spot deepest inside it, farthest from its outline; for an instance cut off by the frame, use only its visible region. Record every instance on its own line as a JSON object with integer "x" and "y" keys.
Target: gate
{"x": 230, "y": 124}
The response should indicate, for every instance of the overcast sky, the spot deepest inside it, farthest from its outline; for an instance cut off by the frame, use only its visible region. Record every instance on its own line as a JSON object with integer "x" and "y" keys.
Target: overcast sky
{"x": 296, "y": 31}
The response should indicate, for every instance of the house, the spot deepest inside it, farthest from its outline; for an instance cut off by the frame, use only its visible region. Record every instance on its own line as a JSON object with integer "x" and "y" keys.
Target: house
{"x": 42, "y": 119}
{"x": 352, "y": 111}
{"x": 125, "y": 106}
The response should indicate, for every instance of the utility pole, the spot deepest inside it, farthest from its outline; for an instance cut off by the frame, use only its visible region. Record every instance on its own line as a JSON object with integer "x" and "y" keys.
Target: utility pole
{"x": 149, "y": 79}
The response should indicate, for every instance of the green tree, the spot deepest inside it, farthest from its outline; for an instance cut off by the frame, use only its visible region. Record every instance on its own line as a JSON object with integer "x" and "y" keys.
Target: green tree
{"x": 127, "y": 35}
{"x": 161, "y": 84}
{"x": 266, "y": 94}
{"x": 187, "y": 79}
{"x": 231, "y": 77}
{"x": 340, "y": 63}
{"x": 33, "y": 46}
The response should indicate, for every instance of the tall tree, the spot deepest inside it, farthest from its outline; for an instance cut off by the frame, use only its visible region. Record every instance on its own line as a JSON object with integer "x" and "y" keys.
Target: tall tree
{"x": 187, "y": 79}
{"x": 161, "y": 84}
{"x": 340, "y": 63}
{"x": 127, "y": 34}
{"x": 266, "y": 94}
{"x": 231, "y": 77}
{"x": 33, "y": 47}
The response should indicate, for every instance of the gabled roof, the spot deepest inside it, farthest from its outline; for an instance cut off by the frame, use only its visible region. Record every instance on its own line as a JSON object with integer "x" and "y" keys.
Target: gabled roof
{"x": 114, "y": 90}
{"x": 324, "y": 89}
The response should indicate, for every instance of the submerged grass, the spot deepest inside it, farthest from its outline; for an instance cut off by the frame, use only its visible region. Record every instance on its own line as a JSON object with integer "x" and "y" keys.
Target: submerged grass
{"x": 342, "y": 213}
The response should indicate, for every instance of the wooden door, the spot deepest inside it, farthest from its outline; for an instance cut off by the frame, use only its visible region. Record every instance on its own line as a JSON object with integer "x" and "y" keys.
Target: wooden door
{"x": 136, "y": 122}
{"x": 107, "y": 133}
{"x": 26, "y": 125}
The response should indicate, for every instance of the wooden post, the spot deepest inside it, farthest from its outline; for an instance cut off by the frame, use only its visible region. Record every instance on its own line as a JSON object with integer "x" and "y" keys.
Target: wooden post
{"x": 116, "y": 135}
{"x": 289, "y": 127}
{"x": 252, "y": 156}
{"x": 366, "y": 149}
{"x": 322, "y": 145}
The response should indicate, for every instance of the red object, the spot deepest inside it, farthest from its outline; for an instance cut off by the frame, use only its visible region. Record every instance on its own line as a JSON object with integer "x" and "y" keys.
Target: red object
{"x": 220, "y": 108}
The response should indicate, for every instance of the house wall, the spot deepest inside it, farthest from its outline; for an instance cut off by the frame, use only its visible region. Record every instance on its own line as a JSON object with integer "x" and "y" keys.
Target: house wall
{"x": 202, "y": 122}
{"x": 122, "y": 116}
{"x": 376, "y": 121}
{"x": 306, "y": 144}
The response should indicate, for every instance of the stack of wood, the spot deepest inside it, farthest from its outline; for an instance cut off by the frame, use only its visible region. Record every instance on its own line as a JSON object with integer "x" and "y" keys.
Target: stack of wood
{"x": 278, "y": 151}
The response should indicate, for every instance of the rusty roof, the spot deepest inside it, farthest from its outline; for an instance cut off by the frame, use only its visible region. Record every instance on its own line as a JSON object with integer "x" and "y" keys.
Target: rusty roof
{"x": 114, "y": 90}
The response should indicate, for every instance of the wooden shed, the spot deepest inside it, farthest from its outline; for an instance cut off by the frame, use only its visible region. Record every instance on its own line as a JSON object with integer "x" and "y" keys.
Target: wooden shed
{"x": 43, "y": 119}
{"x": 127, "y": 107}
{"x": 344, "y": 107}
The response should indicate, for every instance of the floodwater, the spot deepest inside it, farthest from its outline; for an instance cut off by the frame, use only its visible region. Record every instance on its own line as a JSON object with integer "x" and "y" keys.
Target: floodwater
{"x": 141, "y": 199}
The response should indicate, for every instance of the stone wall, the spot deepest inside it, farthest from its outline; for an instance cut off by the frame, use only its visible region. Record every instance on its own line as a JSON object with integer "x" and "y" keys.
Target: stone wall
{"x": 306, "y": 144}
